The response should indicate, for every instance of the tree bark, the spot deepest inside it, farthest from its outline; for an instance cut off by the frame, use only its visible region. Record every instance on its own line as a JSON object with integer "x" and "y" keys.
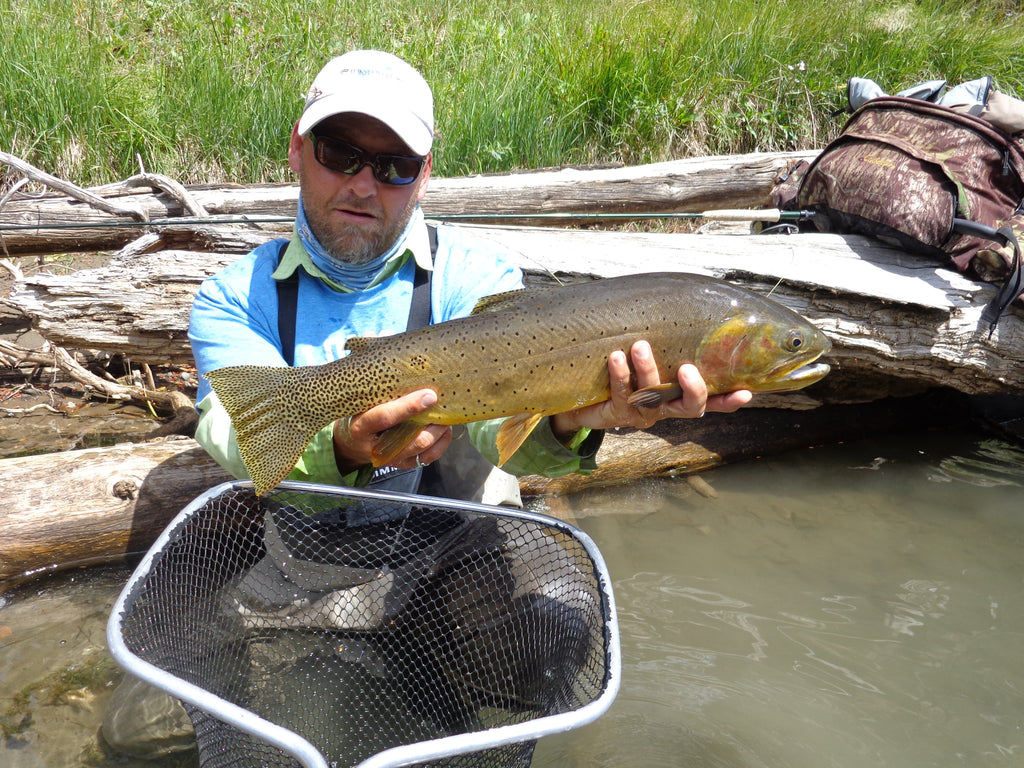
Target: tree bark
{"x": 692, "y": 185}
{"x": 898, "y": 322}
{"x": 74, "y": 508}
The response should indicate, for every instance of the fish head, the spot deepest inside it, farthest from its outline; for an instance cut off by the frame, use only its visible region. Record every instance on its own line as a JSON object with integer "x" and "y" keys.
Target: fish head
{"x": 763, "y": 351}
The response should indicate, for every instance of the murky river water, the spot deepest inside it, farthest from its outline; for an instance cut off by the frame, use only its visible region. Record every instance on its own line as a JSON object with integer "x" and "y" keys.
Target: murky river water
{"x": 853, "y": 606}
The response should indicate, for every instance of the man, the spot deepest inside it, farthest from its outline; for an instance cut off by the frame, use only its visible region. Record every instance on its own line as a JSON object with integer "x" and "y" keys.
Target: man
{"x": 362, "y": 152}
{"x": 356, "y": 265}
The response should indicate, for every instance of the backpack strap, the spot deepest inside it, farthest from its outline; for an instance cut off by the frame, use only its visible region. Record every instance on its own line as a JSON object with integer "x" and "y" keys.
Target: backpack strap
{"x": 288, "y": 300}
{"x": 1014, "y": 285}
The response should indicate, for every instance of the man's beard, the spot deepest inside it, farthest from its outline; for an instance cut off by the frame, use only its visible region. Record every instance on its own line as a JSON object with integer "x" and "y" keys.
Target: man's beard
{"x": 353, "y": 245}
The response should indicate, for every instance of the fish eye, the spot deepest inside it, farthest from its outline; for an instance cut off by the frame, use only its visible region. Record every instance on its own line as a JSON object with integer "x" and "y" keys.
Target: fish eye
{"x": 795, "y": 341}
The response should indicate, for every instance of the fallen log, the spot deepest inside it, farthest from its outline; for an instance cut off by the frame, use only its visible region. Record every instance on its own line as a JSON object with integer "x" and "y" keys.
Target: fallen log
{"x": 683, "y": 447}
{"x": 899, "y": 323}
{"x": 74, "y": 508}
{"x": 82, "y": 507}
{"x": 695, "y": 184}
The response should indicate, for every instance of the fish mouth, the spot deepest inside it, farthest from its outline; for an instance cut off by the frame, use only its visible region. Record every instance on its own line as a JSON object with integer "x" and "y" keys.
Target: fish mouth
{"x": 796, "y": 378}
{"x": 804, "y": 370}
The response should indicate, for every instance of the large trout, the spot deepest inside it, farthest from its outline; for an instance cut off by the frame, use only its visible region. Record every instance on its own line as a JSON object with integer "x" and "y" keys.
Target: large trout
{"x": 524, "y": 354}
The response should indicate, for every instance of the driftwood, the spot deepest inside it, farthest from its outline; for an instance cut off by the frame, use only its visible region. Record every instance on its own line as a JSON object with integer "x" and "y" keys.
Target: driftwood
{"x": 13, "y": 355}
{"x": 899, "y": 325}
{"x": 686, "y": 447}
{"x": 80, "y": 507}
{"x": 733, "y": 181}
{"x": 898, "y": 322}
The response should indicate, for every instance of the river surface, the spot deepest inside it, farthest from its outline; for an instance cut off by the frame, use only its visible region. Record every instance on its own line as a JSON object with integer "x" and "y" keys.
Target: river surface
{"x": 861, "y": 605}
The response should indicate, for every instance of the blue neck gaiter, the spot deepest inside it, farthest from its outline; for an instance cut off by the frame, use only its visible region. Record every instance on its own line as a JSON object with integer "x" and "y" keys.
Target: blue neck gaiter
{"x": 353, "y": 276}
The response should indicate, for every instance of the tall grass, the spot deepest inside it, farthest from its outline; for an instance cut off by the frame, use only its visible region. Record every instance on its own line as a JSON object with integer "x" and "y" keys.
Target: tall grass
{"x": 207, "y": 90}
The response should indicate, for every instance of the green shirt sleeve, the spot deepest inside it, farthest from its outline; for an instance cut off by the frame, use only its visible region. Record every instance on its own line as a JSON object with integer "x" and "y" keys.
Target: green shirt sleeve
{"x": 542, "y": 453}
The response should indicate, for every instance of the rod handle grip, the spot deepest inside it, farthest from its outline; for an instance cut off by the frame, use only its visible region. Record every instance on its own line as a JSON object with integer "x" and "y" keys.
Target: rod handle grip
{"x": 727, "y": 214}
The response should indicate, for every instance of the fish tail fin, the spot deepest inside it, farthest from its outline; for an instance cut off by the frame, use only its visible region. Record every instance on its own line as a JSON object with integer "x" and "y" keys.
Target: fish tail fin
{"x": 271, "y": 427}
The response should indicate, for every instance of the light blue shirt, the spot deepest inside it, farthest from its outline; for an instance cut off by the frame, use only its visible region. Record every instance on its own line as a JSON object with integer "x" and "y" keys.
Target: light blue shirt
{"x": 234, "y": 322}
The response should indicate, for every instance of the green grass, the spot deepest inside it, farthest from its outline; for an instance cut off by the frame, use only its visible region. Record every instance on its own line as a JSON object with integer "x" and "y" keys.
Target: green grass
{"x": 207, "y": 90}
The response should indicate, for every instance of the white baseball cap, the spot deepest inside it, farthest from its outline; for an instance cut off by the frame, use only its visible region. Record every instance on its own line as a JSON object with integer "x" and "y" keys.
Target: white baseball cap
{"x": 377, "y": 84}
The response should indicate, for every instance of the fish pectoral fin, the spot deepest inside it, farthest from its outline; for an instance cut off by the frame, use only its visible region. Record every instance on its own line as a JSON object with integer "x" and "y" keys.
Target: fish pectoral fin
{"x": 513, "y": 433}
{"x": 391, "y": 441}
{"x": 652, "y": 397}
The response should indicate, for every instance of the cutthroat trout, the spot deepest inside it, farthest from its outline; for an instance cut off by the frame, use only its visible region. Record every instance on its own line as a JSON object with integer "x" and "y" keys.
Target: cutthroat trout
{"x": 524, "y": 354}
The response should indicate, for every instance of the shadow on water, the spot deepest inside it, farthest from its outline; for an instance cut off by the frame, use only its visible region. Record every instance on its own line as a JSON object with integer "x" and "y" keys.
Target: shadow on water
{"x": 858, "y": 605}
{"x": 853, "y": 606}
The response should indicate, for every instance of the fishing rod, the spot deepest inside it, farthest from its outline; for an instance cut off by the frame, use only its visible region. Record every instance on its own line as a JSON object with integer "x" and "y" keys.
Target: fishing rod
{"x": 770, "y": 215}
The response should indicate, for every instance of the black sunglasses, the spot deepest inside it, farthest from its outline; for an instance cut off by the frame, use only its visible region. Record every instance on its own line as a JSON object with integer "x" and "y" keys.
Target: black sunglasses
{"x": 342, "y": 157}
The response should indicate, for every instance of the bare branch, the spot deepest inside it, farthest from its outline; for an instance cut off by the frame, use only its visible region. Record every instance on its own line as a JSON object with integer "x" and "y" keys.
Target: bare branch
{"x": 52, "y": 355}
{"x": 172, "y": 188}
{"x": 72, "y": 190}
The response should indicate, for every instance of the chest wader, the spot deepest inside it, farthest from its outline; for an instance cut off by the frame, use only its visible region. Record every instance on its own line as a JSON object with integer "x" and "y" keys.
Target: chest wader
{"x": 461, "y": 473}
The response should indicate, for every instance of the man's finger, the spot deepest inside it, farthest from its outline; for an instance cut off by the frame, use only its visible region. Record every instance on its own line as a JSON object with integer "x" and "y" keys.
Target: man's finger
{"x": 645, "y": 365}
{"x": 619, "y": 376}
{"x": 387, "y": 415}
{"x": 729, "y": 402}
{"x": 695, "y": 391}
{"x": 430, "y": 444}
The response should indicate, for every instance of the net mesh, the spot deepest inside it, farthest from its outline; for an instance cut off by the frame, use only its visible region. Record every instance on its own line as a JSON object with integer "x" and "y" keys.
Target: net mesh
{"x": 363, "y": 623}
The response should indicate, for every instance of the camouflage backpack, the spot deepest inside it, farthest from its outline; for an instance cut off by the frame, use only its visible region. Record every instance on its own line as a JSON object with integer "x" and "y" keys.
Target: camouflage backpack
{"x": 927, "y": 178}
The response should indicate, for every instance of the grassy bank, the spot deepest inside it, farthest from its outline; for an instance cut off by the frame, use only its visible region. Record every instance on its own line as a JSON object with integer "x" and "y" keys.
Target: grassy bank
{"x": 208, "y": 91}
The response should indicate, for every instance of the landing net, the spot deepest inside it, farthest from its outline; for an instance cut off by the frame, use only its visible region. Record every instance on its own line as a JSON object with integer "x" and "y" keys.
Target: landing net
{"x": 318, "y": 626}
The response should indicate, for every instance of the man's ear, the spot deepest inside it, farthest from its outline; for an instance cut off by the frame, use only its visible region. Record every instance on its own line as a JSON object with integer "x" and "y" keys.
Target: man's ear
{"x": 425, "y": 176}
{"x": 295, "y": 149}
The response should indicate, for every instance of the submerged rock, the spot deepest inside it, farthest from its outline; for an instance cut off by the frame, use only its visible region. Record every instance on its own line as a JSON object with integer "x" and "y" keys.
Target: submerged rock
{"x": 143, "y": 721}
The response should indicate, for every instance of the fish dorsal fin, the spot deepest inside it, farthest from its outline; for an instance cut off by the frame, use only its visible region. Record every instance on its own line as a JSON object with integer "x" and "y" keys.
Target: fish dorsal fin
{"x": 357, "y": 344}
{"x": 507, "y": 300}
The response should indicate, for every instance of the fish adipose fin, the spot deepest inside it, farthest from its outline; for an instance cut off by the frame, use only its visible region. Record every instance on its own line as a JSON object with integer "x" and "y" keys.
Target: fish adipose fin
{"x": 359, "y": 344}
{"x": 513, "y": 433}
{"x": 391, "y": 441}
{"x": 270, "y": 431}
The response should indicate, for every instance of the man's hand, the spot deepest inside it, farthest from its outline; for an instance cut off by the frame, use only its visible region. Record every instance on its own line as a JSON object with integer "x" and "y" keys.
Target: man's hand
{"x": 354, "y": 438}
{"x": 617, "y": 412}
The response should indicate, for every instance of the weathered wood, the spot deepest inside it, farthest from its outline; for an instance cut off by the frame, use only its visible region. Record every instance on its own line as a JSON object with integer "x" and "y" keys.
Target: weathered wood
{"x": 898, "y": 322}
{"x": 730, "y": 181}
{"x": 676, "y": 447}
{"x": 66, "y": 509}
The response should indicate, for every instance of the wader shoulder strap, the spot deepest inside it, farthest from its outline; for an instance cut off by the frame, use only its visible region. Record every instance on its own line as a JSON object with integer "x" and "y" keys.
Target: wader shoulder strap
{"x": 287, "y": 307}
{"x": 419, "y": 312}
{"x": 288, "y": 300}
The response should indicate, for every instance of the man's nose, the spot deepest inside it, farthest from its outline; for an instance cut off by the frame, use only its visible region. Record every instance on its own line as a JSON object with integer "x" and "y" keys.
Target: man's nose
{"x": 363, "y": 182}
